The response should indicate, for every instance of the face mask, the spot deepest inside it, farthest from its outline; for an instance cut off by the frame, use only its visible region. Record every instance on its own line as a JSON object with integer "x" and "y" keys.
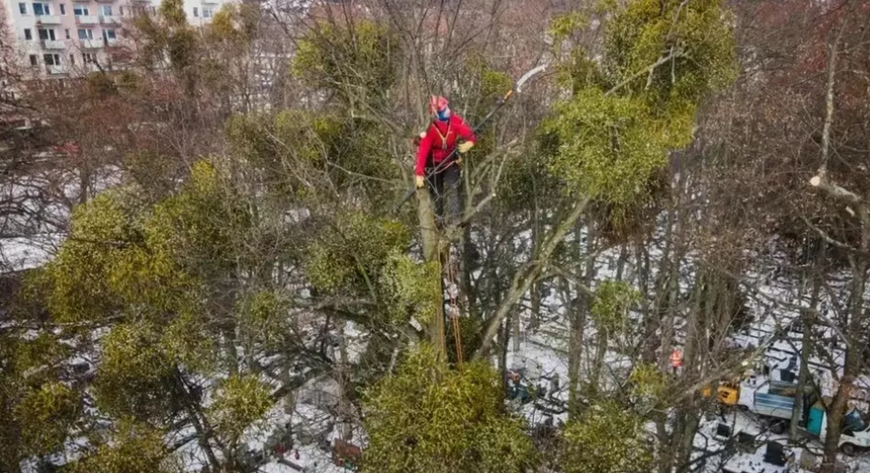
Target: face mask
{"x": 443, "y": 115}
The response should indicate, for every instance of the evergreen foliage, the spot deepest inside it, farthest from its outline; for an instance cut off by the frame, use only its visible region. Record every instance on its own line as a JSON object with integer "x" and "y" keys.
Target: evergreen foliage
{"x": 46, "y": 416}
{"x": 428, "y": 418}
{"x": 132, "y": 448}
{"x": 607, "y": 438}
{"x": 357, "y": 62}
{"x": 610, "y": 140}
{"x": 613, "y": 301}
{"x": 367, "y": 258}
{"x": 303, "y": 155}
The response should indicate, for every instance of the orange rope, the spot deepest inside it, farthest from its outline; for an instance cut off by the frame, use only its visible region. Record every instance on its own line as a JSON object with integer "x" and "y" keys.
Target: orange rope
{"x": 454, "y": 311}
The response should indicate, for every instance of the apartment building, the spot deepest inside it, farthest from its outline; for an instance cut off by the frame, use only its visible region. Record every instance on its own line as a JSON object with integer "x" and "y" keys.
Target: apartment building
{"x": 65, "y": 37}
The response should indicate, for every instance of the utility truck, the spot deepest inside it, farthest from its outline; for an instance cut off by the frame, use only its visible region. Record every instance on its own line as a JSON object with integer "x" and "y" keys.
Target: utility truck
{"x": 775, "y": 407}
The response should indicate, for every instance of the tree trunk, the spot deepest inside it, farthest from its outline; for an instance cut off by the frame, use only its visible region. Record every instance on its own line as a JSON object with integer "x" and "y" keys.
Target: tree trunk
{"x": 598, "y": 364}
{"x": 650, "y": 319}
{"x": 687, "y": 436}
{"x": 702, "y": 303}
{"x": 807, "y": 323}
{"x": 468, "y": 264}
{"x": 504, "y": 338}
{"x": 432, "y": 254}
{"x": 838, "y": 407}
{"x": 664, "y": 451}
{"x": 578, "y": 318}
{"x": 84, "y": 181}
{"x": 536, "y": 286}
{"x": 620, "y": 263}
{"x": 345, "y": 430}
{"x": 576, "y": 322}
{"x": 515, "y": 325}
{"x": 468, "y": 250}
{"x": 227, "y": 320}
{"x": 686, "y": 421}
{"x": 503, "y": 335}
{"x": 603, "y": 337}
{"x": 667, "y": 335}
{"x": 667, "y": 293}
{"x": 199, "y": 422}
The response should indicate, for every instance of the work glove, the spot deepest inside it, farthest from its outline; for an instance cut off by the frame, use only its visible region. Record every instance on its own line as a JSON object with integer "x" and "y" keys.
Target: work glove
{"x": 464, "y": 147}
{"x": 419, "y": 181}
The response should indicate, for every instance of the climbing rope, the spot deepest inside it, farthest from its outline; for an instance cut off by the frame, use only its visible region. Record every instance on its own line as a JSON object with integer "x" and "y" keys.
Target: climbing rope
{"x": 453, "y": 307}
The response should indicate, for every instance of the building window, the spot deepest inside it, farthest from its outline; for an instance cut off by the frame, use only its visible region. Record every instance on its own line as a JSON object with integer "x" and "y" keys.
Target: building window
{"x": 40, "y": 9}
{"x": 28, "y": 35}
{"x": 109, "y": 34}
{"x": 46, "y": 35}
{"x": 121, "y": 11}
{"x": 106, "y": 10}
{"x": 195, "y": 12}
{"x": 22, "y": 7}
{"x": 51, "y": 59}
{"x": 66, "y": 33}
{"x": 86, "y": 34}
{"x": 207, "y": 12}
{"x": 81, "y": 10}
{"x": 62, "y": 9}
{"x": 72, "y": 60}
{"x": 152, "y": 10}
{"x": 88, "y": 58}
{"x": 34, "y": 60}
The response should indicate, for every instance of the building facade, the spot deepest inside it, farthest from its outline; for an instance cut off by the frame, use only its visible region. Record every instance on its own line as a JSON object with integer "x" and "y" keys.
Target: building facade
{"x": 66, "y": 38}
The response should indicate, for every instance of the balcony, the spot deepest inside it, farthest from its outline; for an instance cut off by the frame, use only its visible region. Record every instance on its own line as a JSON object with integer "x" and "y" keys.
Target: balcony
{"x": 110, "y": 20}
{"x": 55, "y": 70}
{"x": 105, "y": 1}
{"x": 51, "y": 44}
{"x": 47, "y": 20}
{"x": 110, "y": 42}
{"x": 92, "y": 44}
{"x": 87, "y": 20}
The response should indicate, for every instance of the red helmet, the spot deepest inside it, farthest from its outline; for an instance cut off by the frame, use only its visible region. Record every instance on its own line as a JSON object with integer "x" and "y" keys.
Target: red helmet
{"x": 437, "y": 104}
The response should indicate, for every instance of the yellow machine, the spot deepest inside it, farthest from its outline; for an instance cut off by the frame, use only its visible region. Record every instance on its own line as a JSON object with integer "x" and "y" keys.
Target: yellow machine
{"x": 727, "y": 393}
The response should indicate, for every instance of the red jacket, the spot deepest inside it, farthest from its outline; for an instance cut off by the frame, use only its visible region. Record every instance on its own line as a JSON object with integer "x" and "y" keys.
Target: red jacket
{"x": 440, "y": 141}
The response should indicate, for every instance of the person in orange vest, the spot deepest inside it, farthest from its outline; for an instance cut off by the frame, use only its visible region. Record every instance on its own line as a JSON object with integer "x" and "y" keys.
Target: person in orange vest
{"x": 436, "y": 162}
{"x": 676, "y": 359}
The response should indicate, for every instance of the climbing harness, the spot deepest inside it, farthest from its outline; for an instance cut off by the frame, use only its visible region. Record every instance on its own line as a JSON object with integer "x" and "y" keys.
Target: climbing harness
{"x": 443, "y": 136}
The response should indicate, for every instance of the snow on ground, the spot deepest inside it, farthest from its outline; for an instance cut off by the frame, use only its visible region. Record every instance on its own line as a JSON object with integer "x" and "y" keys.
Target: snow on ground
{"x": 44, "y": 200}
{"x": 18, "y": 254}
{"x": 268, "y": 445}
{"x": 543, "y": 354}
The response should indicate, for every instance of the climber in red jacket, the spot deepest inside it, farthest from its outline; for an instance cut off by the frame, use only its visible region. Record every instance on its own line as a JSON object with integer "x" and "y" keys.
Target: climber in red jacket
{"x": 436, "y": 145}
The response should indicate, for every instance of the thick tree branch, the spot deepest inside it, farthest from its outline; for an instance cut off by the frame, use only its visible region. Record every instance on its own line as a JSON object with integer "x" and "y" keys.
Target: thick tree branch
{"x": 822, "y": 182}
{"x": 525, "y": 277}
{"x": 829, "y": 100}
{"x": 647, "y": 70}
{"x": 828, "y": 238}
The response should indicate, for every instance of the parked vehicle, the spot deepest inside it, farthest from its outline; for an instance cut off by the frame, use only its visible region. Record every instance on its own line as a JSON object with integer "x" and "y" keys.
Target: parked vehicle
{"x": 776, "y": 405}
